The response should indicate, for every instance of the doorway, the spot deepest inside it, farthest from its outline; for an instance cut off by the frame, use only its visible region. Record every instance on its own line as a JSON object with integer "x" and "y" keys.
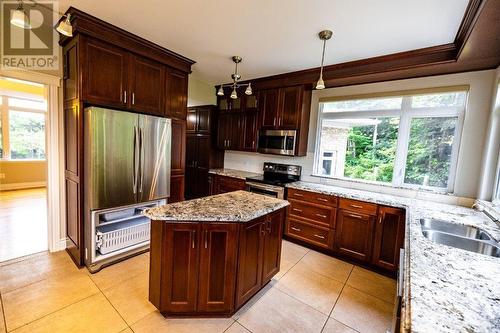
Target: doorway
{"x": 23, "y": 168}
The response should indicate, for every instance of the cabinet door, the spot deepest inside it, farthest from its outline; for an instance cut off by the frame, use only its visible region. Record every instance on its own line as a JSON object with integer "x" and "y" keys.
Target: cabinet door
{"x": 268, "y": 106}
{"x": 147, "y": 83}
{"x": 203, "y": 164}
{"x": 228, "y": 184}
{"x": 191, "y": 170}
{"x": 176, "y": 188}
{"x": 235, "y": 131}
{"x": 223, "y": 130}
{"x": 180, "y": 268}
{"x": 353, "y": 236}
{"x": 290, "y": 107}
{"x": 389, "y": 236}
{"x": 249, "y": 278}
{"x": 203, "y": 120}
{"x": 106, "y": 75}
{"x": 218, "y": 251}
{"x": 191, "y": 120}
{"x": 250, "y": 120}
{"x": 271, "y": 252}
{"x": 177, "y": 83}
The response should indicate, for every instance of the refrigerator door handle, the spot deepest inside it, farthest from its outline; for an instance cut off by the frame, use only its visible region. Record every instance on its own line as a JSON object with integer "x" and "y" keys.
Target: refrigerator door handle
{"x": 141, "y": 158}
{"x": 135, "y": 161}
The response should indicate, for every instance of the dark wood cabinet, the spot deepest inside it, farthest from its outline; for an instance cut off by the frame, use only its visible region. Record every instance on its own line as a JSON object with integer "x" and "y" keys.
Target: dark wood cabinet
{"x": 180, "y": 267}
{"x": 105, "y": 78}
{"x": 389, "y": 237}
{"x": 250, "y": 131}
{"x": 217, "y": 277}
{"x": 147, "y": 79}
{"x": 353, "y": 236}
{"x": 271, "y": 252}
{"x": 269, "y": 108}
{"x": 176, "y": 94}
{"x": 229, "y": 133}
{"x": 202, "y": 154}
{"x": 282, "y": 108}
{"x": 177, "y": 160}
{"x": 290, "y": 107}
{"x": 176, "y": 188}
{"x": 223, "y": 184}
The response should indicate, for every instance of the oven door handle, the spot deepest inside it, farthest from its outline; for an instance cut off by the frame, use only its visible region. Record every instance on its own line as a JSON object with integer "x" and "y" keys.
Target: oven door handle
{"x": 269, "y": 188}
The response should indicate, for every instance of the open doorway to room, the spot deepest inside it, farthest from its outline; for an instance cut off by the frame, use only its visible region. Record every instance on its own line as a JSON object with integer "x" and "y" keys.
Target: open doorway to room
{"x": 23, "y": 168}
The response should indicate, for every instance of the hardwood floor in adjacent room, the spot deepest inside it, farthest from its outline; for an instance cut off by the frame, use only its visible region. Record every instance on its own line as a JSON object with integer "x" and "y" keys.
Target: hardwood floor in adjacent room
{"x": 23, "y": 222}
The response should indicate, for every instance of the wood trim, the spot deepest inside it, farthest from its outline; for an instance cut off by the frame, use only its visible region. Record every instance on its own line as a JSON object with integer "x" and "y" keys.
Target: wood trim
{"x": 92, "y": 26}
{"x": 469, "y": 20}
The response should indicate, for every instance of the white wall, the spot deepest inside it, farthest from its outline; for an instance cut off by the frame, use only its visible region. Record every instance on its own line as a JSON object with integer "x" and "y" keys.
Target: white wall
{"x": 471, "y": 148}
{"x": 200, "y": 93}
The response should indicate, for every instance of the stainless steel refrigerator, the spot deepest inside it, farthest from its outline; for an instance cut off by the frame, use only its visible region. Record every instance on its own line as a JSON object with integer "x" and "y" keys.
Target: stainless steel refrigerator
{"x": 127, "y": 169}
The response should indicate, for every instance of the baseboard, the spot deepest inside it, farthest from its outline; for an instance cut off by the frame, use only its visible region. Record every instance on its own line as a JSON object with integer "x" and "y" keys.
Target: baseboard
{"x": 20, "y": 186}
{"x": 59, "y": 245}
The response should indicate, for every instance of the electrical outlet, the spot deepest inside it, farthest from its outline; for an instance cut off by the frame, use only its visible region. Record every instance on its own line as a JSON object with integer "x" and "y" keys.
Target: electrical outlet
{"x": 2, "y": 175}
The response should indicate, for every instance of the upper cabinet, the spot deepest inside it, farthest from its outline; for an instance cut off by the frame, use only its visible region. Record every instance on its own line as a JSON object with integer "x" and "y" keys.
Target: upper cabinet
{"x": 284, "y": 108}
{"x": 146, "y": 81}
{"x": 176, "y": 99}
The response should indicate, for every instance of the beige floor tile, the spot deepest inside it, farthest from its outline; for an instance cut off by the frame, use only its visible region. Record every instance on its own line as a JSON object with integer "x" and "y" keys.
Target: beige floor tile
{"x": 35, "y": 268}
{"x": 311, "y": 288}
{"x": 278, "y": 312}
{"x": 156, "y": 323}
{"x": 326, "y": 265}
{"x": 29, "y": 303}
{"x": 373, "y": 284}
{"x": 362, "y": 312}
{"x": 130, "y": 298}
{"x": 292, "y": 252}
{"x": 237, "y": 328}
{"x": 112, "y": 275}
{"x": 93, "y": 314}
{"x": 285, "y": 266}
{"x": 254, "y": 299}
{"x": 3, "y": 329}
{"x": 334, "y": 326}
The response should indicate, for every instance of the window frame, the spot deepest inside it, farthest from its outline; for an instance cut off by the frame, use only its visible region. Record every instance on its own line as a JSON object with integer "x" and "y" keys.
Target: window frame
{"x": 496, "y": 190}
{"x": 5, "y": 109}
{"x": 405, "y": 114}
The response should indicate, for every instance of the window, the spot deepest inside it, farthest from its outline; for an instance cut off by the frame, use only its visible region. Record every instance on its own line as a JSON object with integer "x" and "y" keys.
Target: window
{"x": 22, "y": 128}
{"x": 405, "y": 141}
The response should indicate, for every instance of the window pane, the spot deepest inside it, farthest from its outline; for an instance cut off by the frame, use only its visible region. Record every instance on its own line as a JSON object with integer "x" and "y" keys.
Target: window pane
{"x": 28, "y": 104}
{"x": 385, "y": 103}
{"x": 363, "y": 148}
{"x": 429, "y": 151}
{"x": 439, "y": 100}
{"x": 27, "y": 135}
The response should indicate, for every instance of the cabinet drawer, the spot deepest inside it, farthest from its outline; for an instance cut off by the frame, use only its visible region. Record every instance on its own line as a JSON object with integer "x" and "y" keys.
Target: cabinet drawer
{"x": 358, "y": 206}
{"x": 313, "y": 197}
{"x": 320, "y": 215}
{"x": 231, "y": 183}
{"x": 315, "y": 235}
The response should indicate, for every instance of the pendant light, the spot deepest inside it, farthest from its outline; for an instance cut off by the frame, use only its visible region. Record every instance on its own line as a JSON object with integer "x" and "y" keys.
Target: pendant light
{"x": 235, "y": 85}
{"x": 64, "y": 26}
{"x": 324, "y": 36}
{"x": 19, "y": 17}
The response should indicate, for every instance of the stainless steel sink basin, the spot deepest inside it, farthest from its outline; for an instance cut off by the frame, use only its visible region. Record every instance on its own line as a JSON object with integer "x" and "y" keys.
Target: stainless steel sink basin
{"x": 460, "y": 236}
{"x": 468, "y": 244}
{"x": 454, "y": 229}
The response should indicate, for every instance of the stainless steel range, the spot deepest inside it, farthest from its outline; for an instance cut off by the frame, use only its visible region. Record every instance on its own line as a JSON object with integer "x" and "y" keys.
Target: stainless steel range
{"x": 274, "y": 179}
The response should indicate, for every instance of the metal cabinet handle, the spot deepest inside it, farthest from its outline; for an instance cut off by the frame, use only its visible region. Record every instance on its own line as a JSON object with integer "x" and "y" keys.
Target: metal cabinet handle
{"x": 296, "y": 229}
{"x": 193, "y": 243}
{"x": 253, "y": 144}
{"x": 322, "y": 199}
{"x": 133, "y": 98}
{"x": 125, "y": 97}
{"x": 274, "y": 121}
{"x": 297, "y": 210}
{"x": 279, "y": 121}
{"x": 380, "y": 219}
{"x": 262, "y": 230}
{"x": 355, "y": 206}
{"x": 206, "y": 239}
{"x": 268, "y": 227}
{"x": 319, "y": 236}
{"x": 321, "y": 215}
{"x": 355, "y": 216}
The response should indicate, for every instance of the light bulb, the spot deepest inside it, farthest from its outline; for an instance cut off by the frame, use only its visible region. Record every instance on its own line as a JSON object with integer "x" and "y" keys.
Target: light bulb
{"x": 248, "y": 90}
{"x": 220, "y": 92}
{"x": 64, "y": 27}
{"x": 233, "y": 94}
{"x": 19, "y": 18}
{"x": 320, "y": 84}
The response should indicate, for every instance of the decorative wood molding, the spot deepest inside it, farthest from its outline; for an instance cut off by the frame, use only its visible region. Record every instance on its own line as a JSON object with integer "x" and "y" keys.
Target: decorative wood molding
{"x": 87, "y": 24}
{"x": 470, "y": 17}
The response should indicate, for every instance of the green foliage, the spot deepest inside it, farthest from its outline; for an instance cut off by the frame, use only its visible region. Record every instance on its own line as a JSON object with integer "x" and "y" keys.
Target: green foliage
{"x": 27, "y": 135}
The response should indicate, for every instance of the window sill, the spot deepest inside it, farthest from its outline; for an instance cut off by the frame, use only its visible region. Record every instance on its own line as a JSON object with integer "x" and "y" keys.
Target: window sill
{"x": 21, "y": 161}
{"x": 385, "y": 185}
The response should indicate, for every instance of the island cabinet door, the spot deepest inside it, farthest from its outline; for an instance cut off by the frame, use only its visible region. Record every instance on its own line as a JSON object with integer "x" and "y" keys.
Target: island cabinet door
{"x": 217, "y": 277}
{"x": 180, "y": 267}
{"x": 271, "y": 254}
{"x": 249, "y": 279}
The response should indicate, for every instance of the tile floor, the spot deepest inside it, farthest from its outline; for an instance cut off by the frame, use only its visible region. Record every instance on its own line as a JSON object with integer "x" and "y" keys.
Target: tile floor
{"x": 23, "y": 231}
{"x": 312, "y": 293}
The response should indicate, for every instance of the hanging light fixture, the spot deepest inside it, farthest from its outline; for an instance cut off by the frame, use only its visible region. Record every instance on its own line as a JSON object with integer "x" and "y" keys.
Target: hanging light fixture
{"x": 235, "y": 85}
{"x": 64, "y": 26}
{"x": 19, "y": 17}
{"x": 324, "y": 36}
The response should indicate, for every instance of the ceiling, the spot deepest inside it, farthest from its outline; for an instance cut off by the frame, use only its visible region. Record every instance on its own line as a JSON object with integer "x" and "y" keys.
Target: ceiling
{"x": 276, "y": 37}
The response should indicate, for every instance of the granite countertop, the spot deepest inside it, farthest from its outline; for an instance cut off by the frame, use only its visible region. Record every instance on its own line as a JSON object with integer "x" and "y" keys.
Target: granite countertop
{"x": 238, "y": 206}
{"x": 446, "y": 289}
{"x": 233, "y": 173}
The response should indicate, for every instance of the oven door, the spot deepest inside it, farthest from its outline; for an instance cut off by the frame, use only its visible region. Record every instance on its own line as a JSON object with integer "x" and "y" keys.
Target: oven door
{"x": 269, "y": 190}
{"x": 277, "y": 142}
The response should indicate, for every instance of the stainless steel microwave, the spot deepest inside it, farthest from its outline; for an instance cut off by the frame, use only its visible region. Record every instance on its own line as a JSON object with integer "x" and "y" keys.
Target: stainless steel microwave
{"x": 277, "y": 142}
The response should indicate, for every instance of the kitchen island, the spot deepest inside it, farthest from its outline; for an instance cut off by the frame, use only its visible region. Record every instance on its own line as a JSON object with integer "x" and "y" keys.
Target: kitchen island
{"x": 209, "y": 256}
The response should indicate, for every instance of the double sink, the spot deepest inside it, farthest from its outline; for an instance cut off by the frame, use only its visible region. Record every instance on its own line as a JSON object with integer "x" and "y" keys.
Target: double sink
{"x": 460, "y": 236}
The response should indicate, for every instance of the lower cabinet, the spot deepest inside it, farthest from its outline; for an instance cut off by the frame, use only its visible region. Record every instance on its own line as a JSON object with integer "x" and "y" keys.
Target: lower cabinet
{"x": 389, "y": 237}
{"x": 353, "y": 236}
{"x": 176, "y": 188}
{"x": 221, "y": 184}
